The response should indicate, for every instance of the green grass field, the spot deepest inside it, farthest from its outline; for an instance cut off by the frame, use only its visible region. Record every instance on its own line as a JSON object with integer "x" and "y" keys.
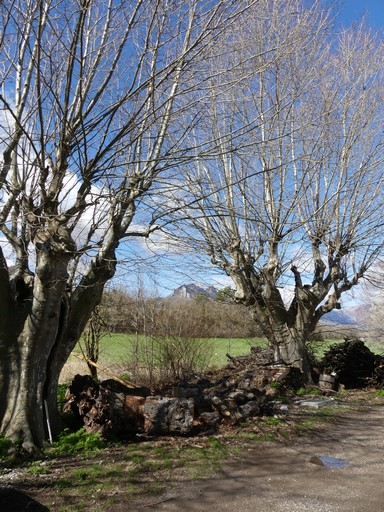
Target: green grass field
{"x": 118, "y": 348}
{"x": 122, "y": 350}
{"x": 119, "y": 357}
{"x": 118, "y": 354}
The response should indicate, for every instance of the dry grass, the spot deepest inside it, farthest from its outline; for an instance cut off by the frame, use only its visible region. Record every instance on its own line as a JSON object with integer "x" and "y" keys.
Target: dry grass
{"x": 72, "y": 367}
{"x": 75, "y": 366}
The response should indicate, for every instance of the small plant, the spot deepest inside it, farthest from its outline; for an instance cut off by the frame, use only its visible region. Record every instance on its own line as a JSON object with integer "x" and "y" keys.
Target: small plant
{"x": 308, "y": 391}
{"x": 379, "y": 392}
{"x": 305, "y": 424}
{"x": 217, "y": 446}
{"x": 77, "y": 442}
{"x": 61, "y": 391}
{"x": 266, "y": 437}
{"x": 5, "y": 445}
{"x": 272, "y": 421}
{"x": 125, "y": 377}
{"x": 38, "y": 467}
{"x": 63, "y": 483}
{"x": 80, "y": 474}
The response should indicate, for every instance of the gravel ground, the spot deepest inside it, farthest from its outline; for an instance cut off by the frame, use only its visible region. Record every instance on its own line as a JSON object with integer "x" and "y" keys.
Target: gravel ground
{"x": 278, "y": 478}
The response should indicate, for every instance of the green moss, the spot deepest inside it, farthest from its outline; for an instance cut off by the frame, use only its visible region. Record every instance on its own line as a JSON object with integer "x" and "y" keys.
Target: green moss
{"x": 308, "y": 391}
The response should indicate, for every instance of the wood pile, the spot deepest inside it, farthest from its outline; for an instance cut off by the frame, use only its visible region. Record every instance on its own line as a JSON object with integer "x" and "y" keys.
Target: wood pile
{"x": 247, "y": 393}
{"x": 246, "y": 388}
{"x": 198, "y": 406}
{"x": 377, "y": 379}
{"x": 258, "y": 356}
{"x": 108, "y": 408}
{"x": 353, "y": 364}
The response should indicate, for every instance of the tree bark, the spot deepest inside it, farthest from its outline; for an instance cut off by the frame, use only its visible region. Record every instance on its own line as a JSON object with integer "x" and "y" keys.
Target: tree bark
{"x": 34, "y": 355}
{"x": 287, "y": 343}
{"x": 76, "y": 311}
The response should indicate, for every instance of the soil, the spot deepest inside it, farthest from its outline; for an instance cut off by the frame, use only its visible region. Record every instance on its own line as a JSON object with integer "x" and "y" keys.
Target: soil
{"x": 279, "y": 476}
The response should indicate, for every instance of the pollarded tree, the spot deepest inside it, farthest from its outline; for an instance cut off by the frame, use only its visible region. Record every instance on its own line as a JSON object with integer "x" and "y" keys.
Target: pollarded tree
{"x": 295, "y": 216}
{"x": 373, "y": 299}
{"x": 91, "y": 92}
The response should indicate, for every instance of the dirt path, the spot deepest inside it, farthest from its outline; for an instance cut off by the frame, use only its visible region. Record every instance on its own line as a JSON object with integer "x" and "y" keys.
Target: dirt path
{"x": 277, "y": 478}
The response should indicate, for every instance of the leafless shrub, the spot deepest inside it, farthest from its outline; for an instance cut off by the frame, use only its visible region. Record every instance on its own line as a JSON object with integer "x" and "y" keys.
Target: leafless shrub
{"x": 171, "y": 346}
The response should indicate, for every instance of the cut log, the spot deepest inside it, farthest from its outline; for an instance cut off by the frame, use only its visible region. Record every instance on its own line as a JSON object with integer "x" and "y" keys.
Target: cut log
{"x": 168, "y": 416}
{"x": 327, "y": 381}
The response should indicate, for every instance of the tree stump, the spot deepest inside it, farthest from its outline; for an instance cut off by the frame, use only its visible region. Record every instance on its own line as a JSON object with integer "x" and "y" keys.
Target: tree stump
{"x": 168, "y": 416}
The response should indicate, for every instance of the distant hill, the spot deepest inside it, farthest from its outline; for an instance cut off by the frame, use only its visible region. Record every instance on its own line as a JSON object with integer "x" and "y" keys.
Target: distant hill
{"x": 353, "y": 316}
{"x": 338, "y": 317}
{"x": 190, "y": 291}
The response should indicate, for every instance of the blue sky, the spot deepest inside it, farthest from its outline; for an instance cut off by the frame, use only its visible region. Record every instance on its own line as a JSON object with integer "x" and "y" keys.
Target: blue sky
{"x": 167, "y": 274}
{"x": 373, "y": 10}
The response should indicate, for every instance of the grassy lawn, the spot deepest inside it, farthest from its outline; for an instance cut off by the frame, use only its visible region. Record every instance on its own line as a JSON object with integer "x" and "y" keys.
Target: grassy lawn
{"x": 233, "y": 347}
{"x": 117, "y": 353}
{"x": 117, "y": 348}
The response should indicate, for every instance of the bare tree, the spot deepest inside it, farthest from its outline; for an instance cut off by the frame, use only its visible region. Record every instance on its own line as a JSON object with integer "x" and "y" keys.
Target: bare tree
{"x": 91, "y": 96}
{"x": 294, "y": 216}
{"x": 372, "y": 328}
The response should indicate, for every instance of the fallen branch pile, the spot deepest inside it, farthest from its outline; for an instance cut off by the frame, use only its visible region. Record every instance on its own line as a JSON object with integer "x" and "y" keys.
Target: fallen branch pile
{"x": 240, "y": 391}
{"x": 354, "y": 365}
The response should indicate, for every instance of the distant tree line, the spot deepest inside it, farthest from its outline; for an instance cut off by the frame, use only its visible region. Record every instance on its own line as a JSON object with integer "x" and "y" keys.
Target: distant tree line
{"x": 202, "y": 317}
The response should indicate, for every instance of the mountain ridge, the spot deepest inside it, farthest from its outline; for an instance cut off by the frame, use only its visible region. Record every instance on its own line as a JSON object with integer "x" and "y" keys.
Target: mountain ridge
{"x": 191, "y": 290}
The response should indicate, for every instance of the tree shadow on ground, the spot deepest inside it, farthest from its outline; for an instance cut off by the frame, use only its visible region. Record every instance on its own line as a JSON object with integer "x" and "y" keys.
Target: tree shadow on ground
{"x": 12, "y": 500}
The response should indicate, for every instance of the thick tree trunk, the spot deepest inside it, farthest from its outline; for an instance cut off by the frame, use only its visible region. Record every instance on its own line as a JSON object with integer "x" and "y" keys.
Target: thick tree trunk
{"x": 75, "y": 315}
{"x": 285, "y": 330}
{"x": 23, "y": 415}
{"x": 37, "y": 320}
{"x": 36, "y": 341}
{"x": 291, "y": 350}
{"x": 288, "y": 344}
{"x": 29, "y": 375}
